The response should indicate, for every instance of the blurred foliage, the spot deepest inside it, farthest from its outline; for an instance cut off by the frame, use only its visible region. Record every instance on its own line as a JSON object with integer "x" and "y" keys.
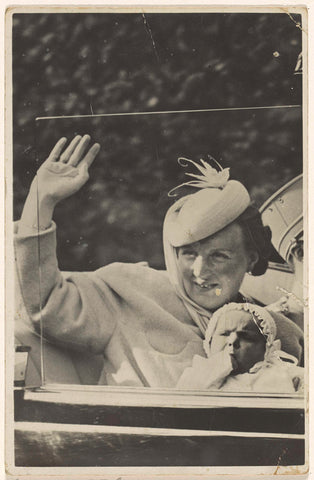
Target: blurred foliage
{"x": 82, "y": 64}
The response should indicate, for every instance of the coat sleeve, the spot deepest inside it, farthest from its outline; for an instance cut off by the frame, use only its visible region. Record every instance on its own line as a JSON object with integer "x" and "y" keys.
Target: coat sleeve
{"x": 75, "y": 309}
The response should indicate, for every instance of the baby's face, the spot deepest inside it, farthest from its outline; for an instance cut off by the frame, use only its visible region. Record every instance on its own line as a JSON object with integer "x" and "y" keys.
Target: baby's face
{"x": 238, "y": 333}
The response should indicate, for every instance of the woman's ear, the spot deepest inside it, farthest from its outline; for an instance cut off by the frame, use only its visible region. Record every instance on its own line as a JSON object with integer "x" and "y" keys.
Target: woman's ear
{"x": 253, "y": 259}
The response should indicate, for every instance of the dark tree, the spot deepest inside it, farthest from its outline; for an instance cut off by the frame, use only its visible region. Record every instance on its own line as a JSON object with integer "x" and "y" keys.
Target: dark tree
{"x": 78, "y": 64}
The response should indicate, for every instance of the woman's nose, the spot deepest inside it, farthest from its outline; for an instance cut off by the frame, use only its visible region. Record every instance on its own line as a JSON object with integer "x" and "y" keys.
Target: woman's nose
{"x": 199, "y": 268}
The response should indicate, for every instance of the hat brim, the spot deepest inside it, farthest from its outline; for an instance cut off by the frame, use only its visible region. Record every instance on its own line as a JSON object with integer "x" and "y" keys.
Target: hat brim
{"x": 205, "y": 213}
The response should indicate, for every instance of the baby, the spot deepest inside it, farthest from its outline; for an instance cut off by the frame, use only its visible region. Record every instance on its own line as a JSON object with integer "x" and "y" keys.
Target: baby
{"x": 243, "y": 354}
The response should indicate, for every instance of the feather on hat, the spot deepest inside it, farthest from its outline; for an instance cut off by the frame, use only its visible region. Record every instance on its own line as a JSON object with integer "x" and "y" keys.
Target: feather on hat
{"x": 218, "y": 203}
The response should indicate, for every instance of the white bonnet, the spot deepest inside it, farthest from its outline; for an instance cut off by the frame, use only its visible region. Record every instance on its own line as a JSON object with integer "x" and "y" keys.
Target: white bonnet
{"x": 261, "y": 317}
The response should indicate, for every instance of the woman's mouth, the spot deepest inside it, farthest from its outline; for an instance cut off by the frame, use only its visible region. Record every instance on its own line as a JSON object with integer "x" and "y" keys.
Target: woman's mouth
{"x": 204, "y": 285}
{"x": 208, "y": 286}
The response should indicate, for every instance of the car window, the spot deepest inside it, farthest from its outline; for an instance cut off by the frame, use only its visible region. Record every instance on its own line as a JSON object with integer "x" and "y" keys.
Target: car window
{"x": 118, "y": 214}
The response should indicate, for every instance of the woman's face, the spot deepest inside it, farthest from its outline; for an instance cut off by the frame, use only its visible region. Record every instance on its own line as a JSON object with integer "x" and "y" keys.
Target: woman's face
{"x": 213, "y": 269}
{"x": 238, "y": 333}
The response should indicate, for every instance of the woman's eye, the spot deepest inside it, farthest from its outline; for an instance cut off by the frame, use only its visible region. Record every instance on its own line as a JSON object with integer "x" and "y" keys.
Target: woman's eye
{"x": 189, "y": 253}
{"x": 220, "y": 256}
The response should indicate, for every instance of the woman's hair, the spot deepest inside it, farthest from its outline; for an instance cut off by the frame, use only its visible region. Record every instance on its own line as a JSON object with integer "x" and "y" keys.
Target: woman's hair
{"x": 256, "y": 237}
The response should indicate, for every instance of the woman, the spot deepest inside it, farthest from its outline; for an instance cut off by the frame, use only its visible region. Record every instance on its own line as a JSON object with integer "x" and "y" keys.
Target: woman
{"x": 148, "y": 324}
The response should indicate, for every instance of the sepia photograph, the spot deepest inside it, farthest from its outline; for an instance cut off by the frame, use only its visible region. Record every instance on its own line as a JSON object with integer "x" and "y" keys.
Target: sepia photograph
{"x": 157, "y": 189}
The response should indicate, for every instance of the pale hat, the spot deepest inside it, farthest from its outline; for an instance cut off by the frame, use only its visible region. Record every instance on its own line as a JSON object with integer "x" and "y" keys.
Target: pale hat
{"x": 218, "y": 203}
{"x": 283, "y": 212}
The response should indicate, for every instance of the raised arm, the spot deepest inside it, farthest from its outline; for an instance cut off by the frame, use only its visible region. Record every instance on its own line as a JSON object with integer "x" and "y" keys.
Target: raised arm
{"x": 71, "y": 308}
{"x": 59, "y": 177}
